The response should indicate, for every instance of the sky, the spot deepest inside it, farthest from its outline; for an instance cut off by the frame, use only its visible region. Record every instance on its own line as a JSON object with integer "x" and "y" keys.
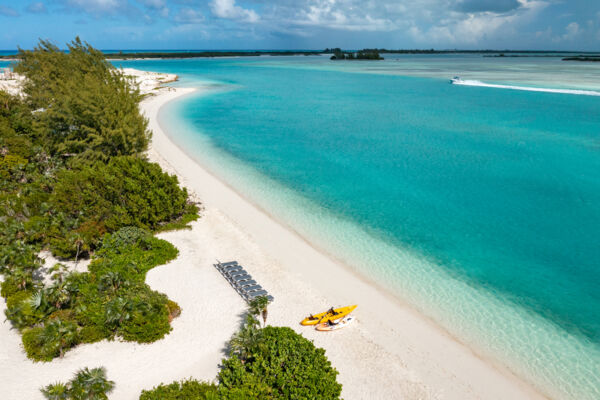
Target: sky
{"x": 304, "y": 24}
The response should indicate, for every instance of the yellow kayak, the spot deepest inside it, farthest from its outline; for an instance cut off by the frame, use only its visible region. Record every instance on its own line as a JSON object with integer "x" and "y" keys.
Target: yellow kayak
{"x": 330, "y": 314}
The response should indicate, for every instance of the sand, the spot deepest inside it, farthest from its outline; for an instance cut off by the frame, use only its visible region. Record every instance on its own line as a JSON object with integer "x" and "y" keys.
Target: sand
{"x": 390, "y": 352}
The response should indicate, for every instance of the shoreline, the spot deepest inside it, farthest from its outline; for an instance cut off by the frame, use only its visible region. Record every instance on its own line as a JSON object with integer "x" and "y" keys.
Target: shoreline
{"x": 444, "y": 366}
{"x": 392, "y": 351}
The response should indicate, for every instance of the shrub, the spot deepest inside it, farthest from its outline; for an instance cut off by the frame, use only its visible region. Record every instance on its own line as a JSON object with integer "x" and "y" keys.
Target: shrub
{"x": 173, "y": 309}
{"x": 56, "y": 391}
{"x": 63, "y": 315}
{"x": 191, "y": 214}
{"x": 21, "y": 310}
{"x": 33, "y": 344}
{"x": 16, "y": 299}
{"x": 90, "y": 384}
{"x": 149, "y": 319}
{"x": 124, "y": 237}
{"x": 286, "y": 363}
{"x": 51, "y": 340}
{"x": 268, "y": 363}
{"x": 100, "y": 198}
{"x": 16, "y": 281}
{"x": 185, "y": 390}
{"x": 86, "y": 385}
{"x": 113, "y": 299}
{"x": 132, "y": 261}
{"x": 93, "y": 334}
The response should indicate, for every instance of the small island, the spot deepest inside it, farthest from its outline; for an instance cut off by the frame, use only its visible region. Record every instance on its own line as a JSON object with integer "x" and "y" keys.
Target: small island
{"x": 365, "y": 54}
{"x": 582, "y": 58}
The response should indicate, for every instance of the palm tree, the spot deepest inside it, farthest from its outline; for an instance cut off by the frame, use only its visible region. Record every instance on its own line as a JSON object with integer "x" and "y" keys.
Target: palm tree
{"x": 38, "y": 300}
{"x": 247, "y": 340}
{"x": 112, "y": 280}
{"x": 57, "y": 391}
{"x": 57, "y": 336}
{"x": 91, "y": 384}
{"x": 59, "y": 294}
{"x": 23, "y": 278}
{"x": 118, "y": 311}
{"x": 258, "y": 306}
{"x": 39, "y": 305}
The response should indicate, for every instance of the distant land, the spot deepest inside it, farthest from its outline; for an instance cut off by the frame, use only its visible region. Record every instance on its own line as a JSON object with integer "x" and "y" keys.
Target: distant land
{"x": 142, "y": 54}
{"x": 582, "y": 58}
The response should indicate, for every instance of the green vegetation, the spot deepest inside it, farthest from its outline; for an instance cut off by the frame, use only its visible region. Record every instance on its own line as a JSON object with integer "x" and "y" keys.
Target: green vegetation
{"x": 582, "y": 58}
{"x": 90, "y": 109}
{"x": 267, "y": 363}
{"x": 367, "y": 54}
{"x": 87, "y": 384}
{"x": 185, "y": 390}
{"x": 74, "y": 181}
{"x": 103, "y": 197}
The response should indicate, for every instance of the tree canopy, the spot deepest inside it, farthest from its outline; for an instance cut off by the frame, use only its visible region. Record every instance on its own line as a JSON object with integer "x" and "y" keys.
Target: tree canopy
{"x": 74, "y": 180}
{"x": 83, "y": 105}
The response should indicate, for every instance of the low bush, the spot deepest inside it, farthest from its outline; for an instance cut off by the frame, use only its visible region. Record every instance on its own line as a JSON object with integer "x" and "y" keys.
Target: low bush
{"x": 33, "y": 344}
{"x": 111, "y": 300}
{"x": 16, "y": 281}
{"x": 173, "y": 309}
{"x": 21, "y": 310}
{"x": 99, "y": 198}
{"x": 51, "y": 340}
{"x": 286, "y": 364}
{"x": 185, "y": 390}
{"x": 149, "y": 320}
{"x": 87, "y": 384}
{"x": 267, "y": 363}
{"x": 93, "y": 334}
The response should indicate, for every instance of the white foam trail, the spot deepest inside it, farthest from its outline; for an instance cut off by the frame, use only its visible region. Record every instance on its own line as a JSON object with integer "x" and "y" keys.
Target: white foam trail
{"x": 468, "y": 82}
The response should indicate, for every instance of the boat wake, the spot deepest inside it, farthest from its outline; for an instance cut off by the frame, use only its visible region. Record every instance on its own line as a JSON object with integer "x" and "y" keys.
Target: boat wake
{"x": 467, "y": 82}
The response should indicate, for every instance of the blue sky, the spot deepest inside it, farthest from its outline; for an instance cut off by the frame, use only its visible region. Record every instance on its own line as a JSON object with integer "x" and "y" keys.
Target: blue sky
{"x": 304, "y": 24}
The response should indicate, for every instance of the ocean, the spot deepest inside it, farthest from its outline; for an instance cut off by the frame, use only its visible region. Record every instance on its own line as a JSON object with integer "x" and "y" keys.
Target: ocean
{"x": 476, "y": 203}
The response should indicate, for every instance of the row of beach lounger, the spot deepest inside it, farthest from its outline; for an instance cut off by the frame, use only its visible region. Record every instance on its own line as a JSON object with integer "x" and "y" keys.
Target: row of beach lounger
{"x": 241, "y": 281}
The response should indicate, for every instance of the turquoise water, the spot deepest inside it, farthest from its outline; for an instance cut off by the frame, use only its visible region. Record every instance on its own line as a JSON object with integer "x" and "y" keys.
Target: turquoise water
{"x": 478, "y": 205}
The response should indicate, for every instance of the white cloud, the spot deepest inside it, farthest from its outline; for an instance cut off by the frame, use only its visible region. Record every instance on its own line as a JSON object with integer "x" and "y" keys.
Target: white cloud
{"x": 189, "y": 16}
{"x": 471, "y": 28}
{"x": 8, "y": 11}
{"x": 227, "y": 9}
{"x": 156, "y": 7}
{"x": 156, "y": 4}
{"x": 37, "y": 8}
{"x": 571, "y": 31}
{"x": 96, "y": 6}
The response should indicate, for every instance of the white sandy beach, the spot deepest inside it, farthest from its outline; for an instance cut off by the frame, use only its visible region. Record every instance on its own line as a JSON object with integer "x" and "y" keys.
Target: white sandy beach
{"x": 391, "y": 352}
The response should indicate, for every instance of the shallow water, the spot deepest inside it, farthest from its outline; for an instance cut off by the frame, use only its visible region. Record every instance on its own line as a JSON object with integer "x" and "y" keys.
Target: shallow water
{"x": 478, "y": 205}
